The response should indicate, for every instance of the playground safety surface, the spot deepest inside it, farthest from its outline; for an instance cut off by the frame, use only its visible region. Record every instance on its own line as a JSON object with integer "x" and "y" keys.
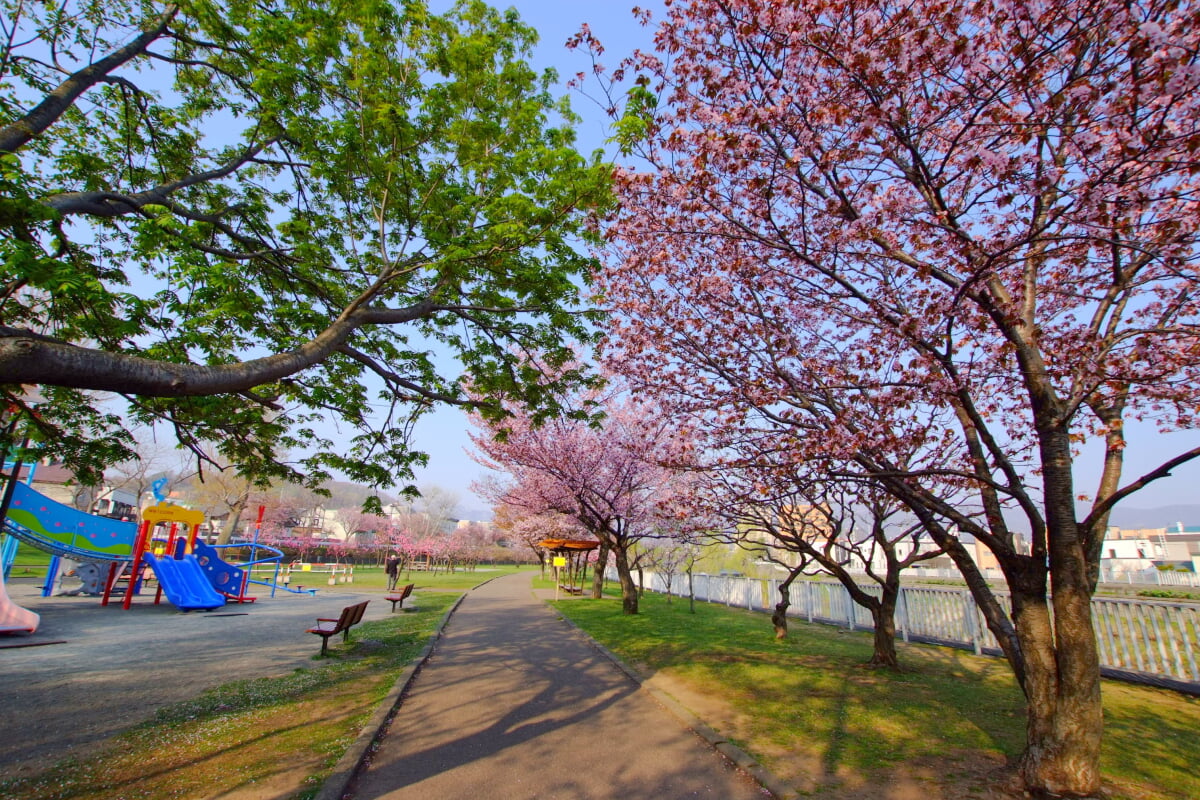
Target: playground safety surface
{"x": 105, "y": 669}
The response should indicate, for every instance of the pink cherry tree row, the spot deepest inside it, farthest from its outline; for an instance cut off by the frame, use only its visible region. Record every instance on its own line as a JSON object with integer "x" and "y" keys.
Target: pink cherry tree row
{"x": 525, "y": 519}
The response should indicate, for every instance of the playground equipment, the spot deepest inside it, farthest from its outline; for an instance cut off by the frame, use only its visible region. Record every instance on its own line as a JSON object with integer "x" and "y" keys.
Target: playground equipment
{"x": 111, "y": 547}
{"x": 13, "y": 618}
{"x": 179, "y": 574}
{"x": 64, "y": 531}
{"x": 106, "y": 551}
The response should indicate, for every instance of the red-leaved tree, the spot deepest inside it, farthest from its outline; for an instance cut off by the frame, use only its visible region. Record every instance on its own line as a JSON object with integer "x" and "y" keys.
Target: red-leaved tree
{"x": 972, "y": 225}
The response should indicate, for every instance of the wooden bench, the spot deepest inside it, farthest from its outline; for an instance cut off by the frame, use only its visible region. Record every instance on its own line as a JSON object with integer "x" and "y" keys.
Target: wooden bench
{"x": 397, "y": 598}
{"x": 350, "y": 616}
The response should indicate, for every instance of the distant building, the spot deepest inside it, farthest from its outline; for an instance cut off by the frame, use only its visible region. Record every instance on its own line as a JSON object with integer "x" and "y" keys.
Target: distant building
{"x": 1136, "y": 549}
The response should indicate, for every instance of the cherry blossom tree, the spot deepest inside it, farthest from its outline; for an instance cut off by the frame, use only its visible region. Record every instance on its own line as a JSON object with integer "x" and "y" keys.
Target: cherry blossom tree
{"x": 972, "y": 224}
{"x": 807, "y": 520}
{"x": 530, "y": 527}
{"x": 606, "y": 476}
{"x": 362, "y": 528}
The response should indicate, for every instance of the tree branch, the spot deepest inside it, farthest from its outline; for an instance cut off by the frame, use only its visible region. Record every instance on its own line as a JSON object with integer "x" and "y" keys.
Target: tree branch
{"x": 30, "y": 358}
{"x": 20, "y": 132}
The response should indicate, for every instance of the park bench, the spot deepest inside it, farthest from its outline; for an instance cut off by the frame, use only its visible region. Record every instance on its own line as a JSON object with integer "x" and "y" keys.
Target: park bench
{"x": 399, "y": 597}
{"x": 350, "y": 616}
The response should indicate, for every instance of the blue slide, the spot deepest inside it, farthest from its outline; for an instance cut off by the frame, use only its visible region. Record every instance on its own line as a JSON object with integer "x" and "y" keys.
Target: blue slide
{"x": 184, "y": 583}
{"x": 222, "y": 576}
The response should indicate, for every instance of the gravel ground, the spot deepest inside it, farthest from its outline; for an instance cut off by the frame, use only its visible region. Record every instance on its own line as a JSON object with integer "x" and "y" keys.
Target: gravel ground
{"x": 102, "y": 669}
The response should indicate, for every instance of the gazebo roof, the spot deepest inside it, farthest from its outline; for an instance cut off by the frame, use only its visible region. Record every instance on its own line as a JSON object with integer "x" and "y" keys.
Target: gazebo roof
{"x": 558, "y": 545}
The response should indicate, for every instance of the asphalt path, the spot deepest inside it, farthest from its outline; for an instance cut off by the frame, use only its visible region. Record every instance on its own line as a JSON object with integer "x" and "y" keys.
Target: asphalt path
{"x": 90, "y": 672}
{"x": 515, "y": 703}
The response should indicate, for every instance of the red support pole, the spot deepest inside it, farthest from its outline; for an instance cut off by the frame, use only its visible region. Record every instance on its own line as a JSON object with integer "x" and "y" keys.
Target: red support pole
{"x": 108, "y": 583}
{"x": 138, "y": 549}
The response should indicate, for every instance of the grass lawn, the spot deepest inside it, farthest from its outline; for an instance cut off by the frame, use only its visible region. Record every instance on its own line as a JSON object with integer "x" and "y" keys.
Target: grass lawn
{"x": 30, "y": 562}
{"x": 275, "y": 737}
{"x": 375, "y": 578}
{"x": 809, "y": 711}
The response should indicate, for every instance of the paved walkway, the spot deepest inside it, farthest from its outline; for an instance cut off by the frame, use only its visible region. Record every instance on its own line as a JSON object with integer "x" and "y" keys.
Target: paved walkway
{"x": 514, "y": 703}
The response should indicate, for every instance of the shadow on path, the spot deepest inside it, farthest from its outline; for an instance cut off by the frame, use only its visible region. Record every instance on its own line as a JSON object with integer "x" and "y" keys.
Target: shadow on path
{"x": 516, "y": 704}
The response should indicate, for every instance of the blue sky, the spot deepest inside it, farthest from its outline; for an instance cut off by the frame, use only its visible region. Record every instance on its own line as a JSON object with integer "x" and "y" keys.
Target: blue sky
{"x": 443, "y": 433}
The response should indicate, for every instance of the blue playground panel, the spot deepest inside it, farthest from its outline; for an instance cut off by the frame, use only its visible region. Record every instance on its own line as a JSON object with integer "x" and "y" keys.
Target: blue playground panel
{"x": 222, "y": 576}
{"x": 64, "y": 531}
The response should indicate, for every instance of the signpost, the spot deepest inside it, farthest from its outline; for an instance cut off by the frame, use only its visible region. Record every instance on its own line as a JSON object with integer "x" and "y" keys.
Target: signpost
{"x": 559, "y": 561}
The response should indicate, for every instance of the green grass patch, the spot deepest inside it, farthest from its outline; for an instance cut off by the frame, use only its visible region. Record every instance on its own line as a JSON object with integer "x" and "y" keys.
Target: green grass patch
{"x": 809, "y": 710}
{"x": 29, "y": 562}
{"x": 372, "y": 577}
{"x": 277, "y": 736}
{"x": 1168, "y": 594}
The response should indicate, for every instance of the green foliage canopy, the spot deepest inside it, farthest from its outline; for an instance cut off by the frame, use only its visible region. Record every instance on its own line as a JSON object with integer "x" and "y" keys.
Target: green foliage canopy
{"x": 241, "y": 216}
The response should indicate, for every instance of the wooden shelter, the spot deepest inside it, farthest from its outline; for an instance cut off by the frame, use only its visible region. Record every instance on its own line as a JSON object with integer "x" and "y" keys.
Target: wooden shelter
{"x": 570, "y": 558}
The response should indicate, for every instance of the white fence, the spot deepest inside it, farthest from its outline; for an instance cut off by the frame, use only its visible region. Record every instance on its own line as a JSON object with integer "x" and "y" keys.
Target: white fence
{"x": 1144, "y": 577}
{"x": 1155, "y": 638}
{"x": 1149, "y": 577}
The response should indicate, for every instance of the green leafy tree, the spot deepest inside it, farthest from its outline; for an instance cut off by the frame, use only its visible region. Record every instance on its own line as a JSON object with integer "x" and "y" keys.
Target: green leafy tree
{"x": 243, "y": 218}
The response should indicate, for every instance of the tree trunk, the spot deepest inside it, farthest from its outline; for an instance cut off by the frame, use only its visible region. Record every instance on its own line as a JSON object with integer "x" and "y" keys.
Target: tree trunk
{"x": 884, "y": 616}
{"x": 629, "y": 593}
{"x": 691, "y": 592}
{"x": 779, "y": 616}
{"x": 1056, "y": 647}
{"x": 235, "y": 519}
{"x": 598, "y": 575}
{"x": 1064, "y": 718}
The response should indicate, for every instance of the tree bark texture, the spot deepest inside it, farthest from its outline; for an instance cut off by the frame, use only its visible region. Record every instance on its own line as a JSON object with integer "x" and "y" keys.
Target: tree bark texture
{"x": 629, "y": 593}
{"x": 779, "y": 615}
{"x": 883, "y": 614}
{"x": 1065, "y": 717}
{"x": 598, "y": 573}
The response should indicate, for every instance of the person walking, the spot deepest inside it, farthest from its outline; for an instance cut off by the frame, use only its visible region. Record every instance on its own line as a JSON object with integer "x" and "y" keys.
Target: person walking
{"x": 392, "y": 568}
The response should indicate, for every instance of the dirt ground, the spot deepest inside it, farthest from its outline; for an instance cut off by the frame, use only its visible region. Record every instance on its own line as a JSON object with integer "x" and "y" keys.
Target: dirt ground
{"x": 91, "y": 672}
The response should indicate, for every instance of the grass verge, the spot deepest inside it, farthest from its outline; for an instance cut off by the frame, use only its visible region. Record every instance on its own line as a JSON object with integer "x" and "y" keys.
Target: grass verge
{"x": 273, "y": 737}
{"x": 372, "y": 577}
{"x": 809, "y": 711}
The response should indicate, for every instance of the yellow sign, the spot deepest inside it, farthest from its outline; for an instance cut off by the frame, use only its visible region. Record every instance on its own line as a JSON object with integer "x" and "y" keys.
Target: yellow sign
{"x": 306, "y": 568}
{"x": 560, "y": 561}
{"x": 166, "y": 512}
